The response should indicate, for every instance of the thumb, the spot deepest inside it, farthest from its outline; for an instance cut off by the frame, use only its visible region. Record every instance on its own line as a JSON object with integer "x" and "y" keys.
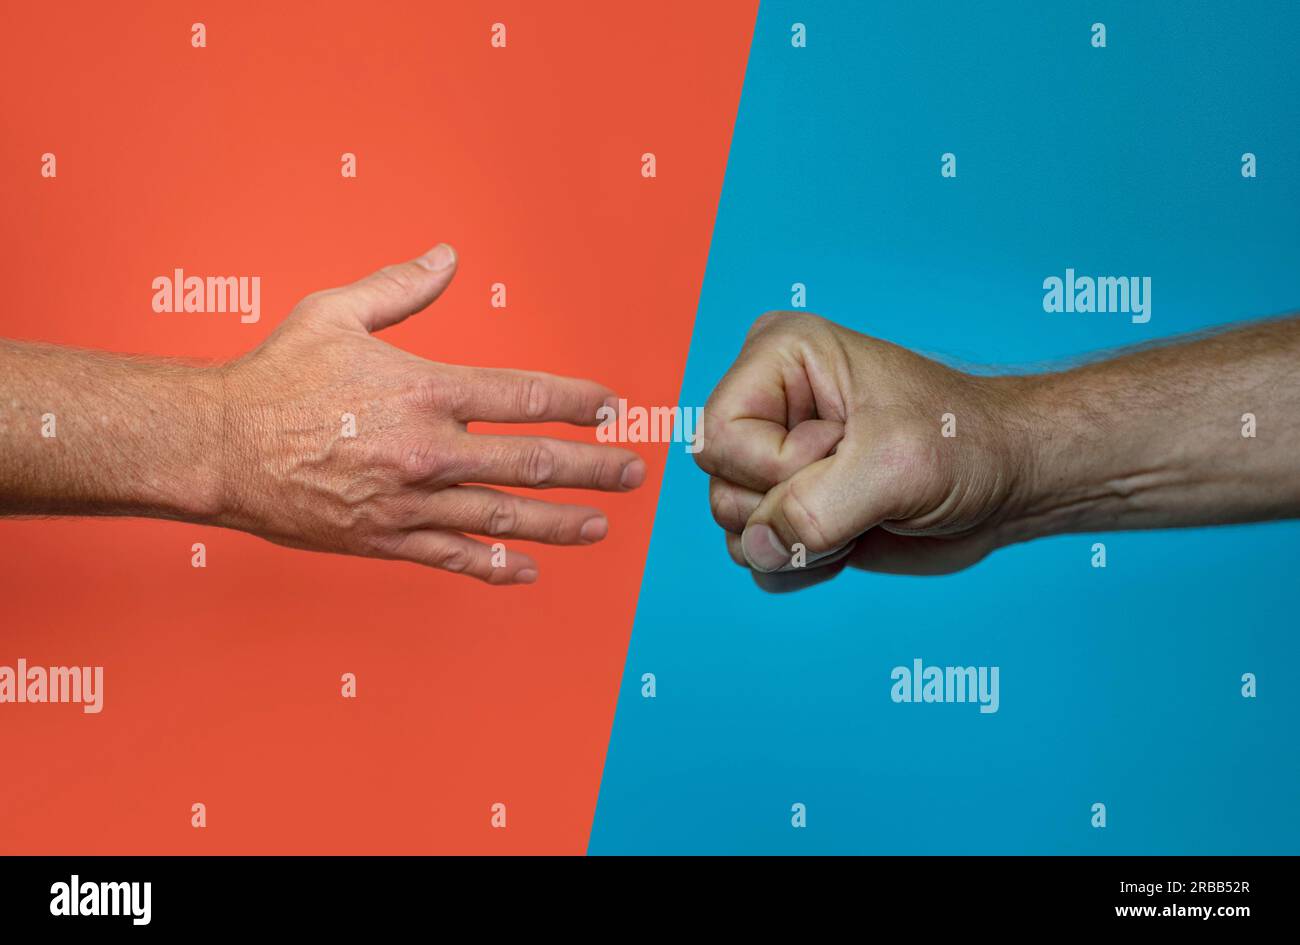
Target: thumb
{"x": 823, "y": 507}
{"x": 389, "y": 296}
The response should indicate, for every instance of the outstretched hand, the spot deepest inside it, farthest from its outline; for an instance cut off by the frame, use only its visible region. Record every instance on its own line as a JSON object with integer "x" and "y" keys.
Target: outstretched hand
{"x": 406, "y": 480}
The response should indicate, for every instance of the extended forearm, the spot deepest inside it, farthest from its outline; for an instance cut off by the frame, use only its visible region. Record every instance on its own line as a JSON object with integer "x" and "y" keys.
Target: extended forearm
{"x": 1161, "y": 437}
{"x": 87, "y": 433}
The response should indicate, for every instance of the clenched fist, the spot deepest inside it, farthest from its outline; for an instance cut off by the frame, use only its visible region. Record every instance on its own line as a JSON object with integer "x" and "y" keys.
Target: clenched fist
{"x": 828, "y": 442}
{"x": 828, "y": 448}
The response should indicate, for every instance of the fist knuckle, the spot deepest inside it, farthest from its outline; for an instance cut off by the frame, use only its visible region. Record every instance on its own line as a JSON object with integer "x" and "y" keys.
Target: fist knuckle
{"x": 763, "y": 322}
{"x": 735, "y": 551}
{"x": 722, "y": 504}
{"x": 767, "y": 467}
{"x": 788, "y": 324}
{"x": 706, "y": 457}
{"x": 808, "y": 527}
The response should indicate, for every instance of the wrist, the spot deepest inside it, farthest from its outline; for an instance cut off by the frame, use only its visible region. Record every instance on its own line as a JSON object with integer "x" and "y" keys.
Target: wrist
{"x": 1082, "y": 468}
{"x": 167, "y": 434}
{"x": 1014, "y": 411}
{"x": 235, "y": 460}
{"x": 197, "y": 443}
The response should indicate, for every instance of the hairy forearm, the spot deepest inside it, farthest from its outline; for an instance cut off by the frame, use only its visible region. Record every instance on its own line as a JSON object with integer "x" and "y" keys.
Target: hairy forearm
{"x": 1154, "y": 438}
{"x": 324, "y": 437}
{"x": 89, "y": 433}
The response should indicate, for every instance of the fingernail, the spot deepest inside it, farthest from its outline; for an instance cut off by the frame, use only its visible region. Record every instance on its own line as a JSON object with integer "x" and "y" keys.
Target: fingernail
{"x": 594, "y": 529}
{"x": 526, "y": 576}
{"x": 439, "y": 258}
{"x": 763, "y": 550}
{"x": 633, "y": 474}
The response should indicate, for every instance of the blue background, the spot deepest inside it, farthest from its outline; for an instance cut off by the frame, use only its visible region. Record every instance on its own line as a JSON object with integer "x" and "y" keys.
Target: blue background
{"x": 1119, "y": 685}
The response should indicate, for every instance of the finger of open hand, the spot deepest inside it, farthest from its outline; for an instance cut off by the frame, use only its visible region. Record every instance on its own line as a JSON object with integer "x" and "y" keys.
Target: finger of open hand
{"x": 539, "y": 462}
{"x": 482, "y": 511}
{"x": 452, "y": 551}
